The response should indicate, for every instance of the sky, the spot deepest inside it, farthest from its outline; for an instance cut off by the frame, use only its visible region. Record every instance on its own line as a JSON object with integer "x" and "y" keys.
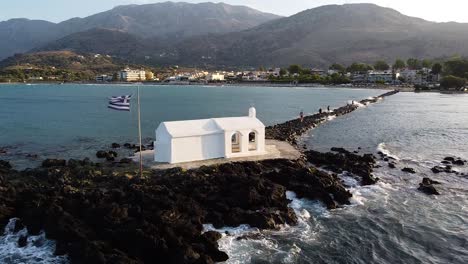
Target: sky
{"x": 60, "y": 10}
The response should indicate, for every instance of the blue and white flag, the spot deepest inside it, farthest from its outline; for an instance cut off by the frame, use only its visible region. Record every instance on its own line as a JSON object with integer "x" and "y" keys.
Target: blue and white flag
{"x": 121, "y": 103}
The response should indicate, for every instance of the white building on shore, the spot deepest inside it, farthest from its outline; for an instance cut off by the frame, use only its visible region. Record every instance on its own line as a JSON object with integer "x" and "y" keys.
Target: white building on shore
{"x": 129, "y": 75}
{"x": 215, "y": 76}
{"x": 195, "y": 140}
{"x": 381, "y": 76}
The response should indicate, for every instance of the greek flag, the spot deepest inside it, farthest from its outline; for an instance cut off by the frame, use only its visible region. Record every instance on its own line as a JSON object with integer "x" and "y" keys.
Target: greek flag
{"x": 121, "y": 103}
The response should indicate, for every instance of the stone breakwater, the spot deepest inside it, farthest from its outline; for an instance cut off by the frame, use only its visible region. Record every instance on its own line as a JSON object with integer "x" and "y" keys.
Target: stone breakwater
{"x": 104, "y": 213}
{"x": 291, "y": 130}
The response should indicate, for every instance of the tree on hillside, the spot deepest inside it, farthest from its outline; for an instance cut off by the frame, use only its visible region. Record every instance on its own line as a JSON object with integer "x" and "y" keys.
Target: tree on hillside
{"x": 457, "y": 67}
{"x": 338, "y": 67}
{"x": 437, "y": 68}
{"x": 413, "y": 64}
{"x": 381, "y": 65}
{"x": 306, "y": 71}
{"x": 399, "y": 64}
{"x": 426, "y": 63}
{"x": 359, "y": 67}
{"x": 452, "y": 82}
{"x": 294, "y": 69}
{"x": 282, "y": 72}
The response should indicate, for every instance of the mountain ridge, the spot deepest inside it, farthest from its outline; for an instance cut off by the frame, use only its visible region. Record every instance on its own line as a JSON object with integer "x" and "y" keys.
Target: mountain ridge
{"x": 163, "y": 20}
{"x": 315, "y": 37}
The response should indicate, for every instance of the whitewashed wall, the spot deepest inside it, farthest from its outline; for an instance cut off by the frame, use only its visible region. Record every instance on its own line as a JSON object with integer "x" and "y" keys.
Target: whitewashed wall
{"x": 197, "y": 148}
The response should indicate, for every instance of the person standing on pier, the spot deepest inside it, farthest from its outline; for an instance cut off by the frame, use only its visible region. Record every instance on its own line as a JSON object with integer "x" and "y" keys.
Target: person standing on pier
{"x": 320, "y": 110}
{"x": 301, "y": 115}
{"x": 328, "y": 108}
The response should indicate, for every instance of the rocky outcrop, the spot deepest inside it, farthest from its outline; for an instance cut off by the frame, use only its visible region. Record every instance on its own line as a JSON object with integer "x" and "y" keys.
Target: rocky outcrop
{"x": 108, "y": 155}
{"x": 5, "y": 165}
{"x": 343, "y": 160}
{"x": 427, "y": 187}
{"x": 54, "y": 163}
{"x": 447, "y": 165}
{"x": 104, "y": 213}
{"x": 408, "y": 170}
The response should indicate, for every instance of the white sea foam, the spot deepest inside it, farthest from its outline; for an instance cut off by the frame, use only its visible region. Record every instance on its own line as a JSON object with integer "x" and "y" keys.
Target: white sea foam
{"x": 38, "y": 249}
{"x": 382, "y": 147}
{"x": 244, "y": 243}
{"x": 330, "y": 118}
{"x": 361, "y": 194}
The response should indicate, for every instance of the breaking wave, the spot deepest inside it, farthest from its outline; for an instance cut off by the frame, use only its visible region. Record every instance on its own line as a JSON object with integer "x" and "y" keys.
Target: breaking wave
{"x": 38, "y": 249}
{"x": 382, "y": 147}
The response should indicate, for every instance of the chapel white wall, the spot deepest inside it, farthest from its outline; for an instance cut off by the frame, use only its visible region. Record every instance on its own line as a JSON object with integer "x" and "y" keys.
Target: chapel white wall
{"x": 163, "y": 145}
{"x": 197, "y": 148}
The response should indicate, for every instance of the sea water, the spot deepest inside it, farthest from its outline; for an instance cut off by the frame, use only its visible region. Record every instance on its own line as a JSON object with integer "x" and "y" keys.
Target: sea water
{"x": 73, "y": 121}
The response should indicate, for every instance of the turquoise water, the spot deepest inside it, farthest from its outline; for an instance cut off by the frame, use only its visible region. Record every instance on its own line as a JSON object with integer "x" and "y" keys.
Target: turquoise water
{"x": 73, "y": 121}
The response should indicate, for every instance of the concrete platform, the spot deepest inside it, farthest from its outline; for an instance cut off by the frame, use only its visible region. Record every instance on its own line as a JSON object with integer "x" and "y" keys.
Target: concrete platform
{"x": 274, "y": 150}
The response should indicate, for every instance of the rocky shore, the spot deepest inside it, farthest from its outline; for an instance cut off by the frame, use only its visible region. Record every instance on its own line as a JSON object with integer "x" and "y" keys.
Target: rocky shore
{"x": 105, "y": 213}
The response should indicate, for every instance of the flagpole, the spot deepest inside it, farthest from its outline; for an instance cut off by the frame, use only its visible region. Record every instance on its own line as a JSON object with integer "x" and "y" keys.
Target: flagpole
{"x": 139, "y": 132}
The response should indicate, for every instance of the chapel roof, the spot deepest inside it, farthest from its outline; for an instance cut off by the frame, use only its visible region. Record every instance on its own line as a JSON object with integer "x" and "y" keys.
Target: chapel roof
{"x": 188, "y": 128}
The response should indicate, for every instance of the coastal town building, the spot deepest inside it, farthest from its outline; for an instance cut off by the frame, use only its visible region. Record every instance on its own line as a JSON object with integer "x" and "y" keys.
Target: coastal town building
{"x": 319, "y": 72}
{"x": 419, "y": 77}
{"x": 215, "y": 76}
{"x": 410, "y": 76}
{"x": 275, "y": 72}
{"x": 196, "y": 140}
{"x": 381, "y": 76}
{"x": 359, "y": 77}
{"x": 103, "y": 78}
{"x": 129, "y": 75}
{"x": 36, "y": 78}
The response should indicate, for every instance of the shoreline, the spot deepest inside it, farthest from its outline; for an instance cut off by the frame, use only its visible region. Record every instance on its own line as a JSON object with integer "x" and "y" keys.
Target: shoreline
{"x": 91, "y": 209}
{"x": 240, "y": 84}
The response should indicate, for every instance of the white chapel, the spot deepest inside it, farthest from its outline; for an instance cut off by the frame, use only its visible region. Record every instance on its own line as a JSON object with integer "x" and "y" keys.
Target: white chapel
{"x": 195, "y": 140}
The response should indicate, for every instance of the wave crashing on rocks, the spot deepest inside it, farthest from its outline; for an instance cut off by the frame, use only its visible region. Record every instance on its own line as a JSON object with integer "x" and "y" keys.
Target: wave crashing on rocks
{"x": 17, "y": 246}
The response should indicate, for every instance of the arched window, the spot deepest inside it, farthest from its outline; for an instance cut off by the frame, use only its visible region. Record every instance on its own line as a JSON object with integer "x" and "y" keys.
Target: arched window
{"x": 236, "y": 144}
{"x": 253, "y": 141}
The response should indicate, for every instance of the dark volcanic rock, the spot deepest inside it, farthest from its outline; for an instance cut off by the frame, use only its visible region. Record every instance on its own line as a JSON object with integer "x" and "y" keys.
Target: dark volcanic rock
{"x": 450, "y": 159}
{"x": 126, "y": 161}
{"x": 97, "y": 214}
{"x": 361, "y": 166}
{"x": 426, "y": 186}
{"x": 408, "y": 170}
{"x": 438, "y": 169}
{"x": 458, "y": 162}
{"x": 101, "y": 154}
{"x": 428, "y": 181}
{"x": 5, "y": 165}
{"x": 53, "y": 163}
{"x": 115, "y": 145}
{"x": 391, "y": 165}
